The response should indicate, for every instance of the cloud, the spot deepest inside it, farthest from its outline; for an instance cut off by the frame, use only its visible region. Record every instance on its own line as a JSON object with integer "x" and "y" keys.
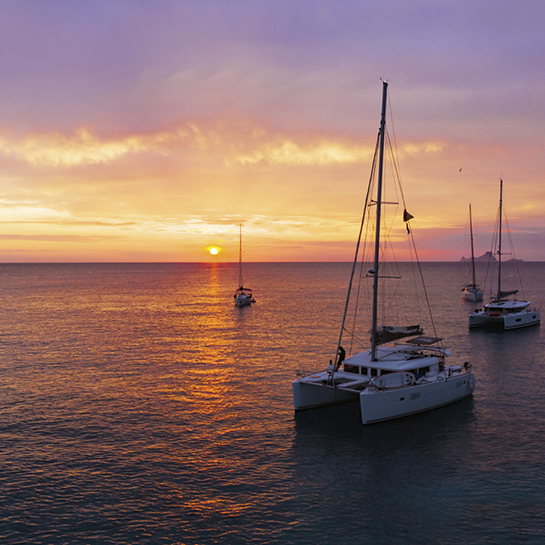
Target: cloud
{"x": 237, "y": 143}
{"x": 60, "y": 238}
{"x": 72, "y": 223}
{"x": 314, "y": 153}
{"x": 84, "y": 147}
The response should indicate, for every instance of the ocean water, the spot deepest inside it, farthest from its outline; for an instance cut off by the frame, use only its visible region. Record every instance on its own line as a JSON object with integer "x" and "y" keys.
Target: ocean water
{"x": 139, "y": 405}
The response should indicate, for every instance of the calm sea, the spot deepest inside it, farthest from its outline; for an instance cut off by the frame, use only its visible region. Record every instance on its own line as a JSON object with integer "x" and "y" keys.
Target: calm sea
{"x": 139, "y": 405}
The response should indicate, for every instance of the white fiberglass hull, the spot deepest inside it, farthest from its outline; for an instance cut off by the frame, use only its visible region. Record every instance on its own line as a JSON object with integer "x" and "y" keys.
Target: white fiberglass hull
{"x": 472, "y": 295}
{"x": 309, "y": 395}
{"x": 242, "y": 300}
{"x": 379, "y": 405}
{"x": 513, "y": 320}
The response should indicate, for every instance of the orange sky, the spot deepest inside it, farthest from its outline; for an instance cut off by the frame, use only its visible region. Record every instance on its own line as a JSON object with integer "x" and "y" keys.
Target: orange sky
{"x": 155, "y": 145}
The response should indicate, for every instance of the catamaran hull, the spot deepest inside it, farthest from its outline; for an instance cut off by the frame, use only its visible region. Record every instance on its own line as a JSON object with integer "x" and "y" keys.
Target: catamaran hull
{"x": 381, "y": 405}
{"x": 308, "y": 395}
{"x": 507, "y": 321}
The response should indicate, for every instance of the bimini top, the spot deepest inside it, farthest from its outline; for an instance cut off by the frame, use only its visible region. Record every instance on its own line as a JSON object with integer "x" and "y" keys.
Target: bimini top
{"x": 398, "y": 358}
{"x": 509, "y": 306}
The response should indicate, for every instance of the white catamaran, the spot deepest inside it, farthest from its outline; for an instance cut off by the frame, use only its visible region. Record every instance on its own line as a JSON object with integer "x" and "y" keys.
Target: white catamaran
{"x": 502, "y": 312}
{"x": 472, "y": 292}
{"x": 243, "y": 296}
{"x": 389, "y": 380}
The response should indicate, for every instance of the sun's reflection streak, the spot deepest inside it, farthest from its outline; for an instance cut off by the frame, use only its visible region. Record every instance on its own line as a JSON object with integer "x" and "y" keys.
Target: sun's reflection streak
{"x": 215, "y": 430}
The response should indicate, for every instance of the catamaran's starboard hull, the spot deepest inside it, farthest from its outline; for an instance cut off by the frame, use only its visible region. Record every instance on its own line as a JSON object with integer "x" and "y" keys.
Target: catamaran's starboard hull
{"x": 507, "y": 321}
{"x": 381, "y": 405}
{"x": 308, "y": 395}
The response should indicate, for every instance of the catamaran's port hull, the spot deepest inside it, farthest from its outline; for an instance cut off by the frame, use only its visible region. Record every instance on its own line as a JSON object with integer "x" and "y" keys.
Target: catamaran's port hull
{"x": 309, "y": 395}
{"x": 381, "y": 405}
{"x": 508, "y": 321}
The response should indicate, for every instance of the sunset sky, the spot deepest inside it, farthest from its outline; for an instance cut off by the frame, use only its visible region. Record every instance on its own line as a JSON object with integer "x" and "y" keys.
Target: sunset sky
{"x": 139, "y": 130}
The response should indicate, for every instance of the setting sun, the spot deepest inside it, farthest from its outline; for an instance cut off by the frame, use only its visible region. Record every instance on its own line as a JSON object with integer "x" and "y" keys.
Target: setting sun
{"x": 214, "y": 251}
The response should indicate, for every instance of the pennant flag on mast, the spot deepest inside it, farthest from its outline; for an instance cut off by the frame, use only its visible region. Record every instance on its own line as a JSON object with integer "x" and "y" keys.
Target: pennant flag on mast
{"x": 406, "y": 218}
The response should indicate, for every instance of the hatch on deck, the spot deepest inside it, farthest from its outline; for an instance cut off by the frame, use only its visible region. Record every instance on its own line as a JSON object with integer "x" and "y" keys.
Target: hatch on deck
{"x": 423, "y": 341}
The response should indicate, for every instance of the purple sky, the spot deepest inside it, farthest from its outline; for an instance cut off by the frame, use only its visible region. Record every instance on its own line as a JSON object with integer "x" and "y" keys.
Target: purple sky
{"x": 137, "y": 130}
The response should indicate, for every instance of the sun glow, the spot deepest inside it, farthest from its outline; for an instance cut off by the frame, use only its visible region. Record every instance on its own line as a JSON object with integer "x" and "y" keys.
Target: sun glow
{"x": 214, "y": 251}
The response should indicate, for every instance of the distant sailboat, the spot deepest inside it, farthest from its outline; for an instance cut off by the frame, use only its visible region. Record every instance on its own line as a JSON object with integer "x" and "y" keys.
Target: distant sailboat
{"x": 472, "y": 292}
{"x": 243, "y": 296}
{"x": 501, "y": 311}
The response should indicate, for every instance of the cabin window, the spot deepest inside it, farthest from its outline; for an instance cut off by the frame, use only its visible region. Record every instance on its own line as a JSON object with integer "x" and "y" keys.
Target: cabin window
{"x": 351, "y": 369}
{"x": 363, "y": 370}
{"x": 374, "y": 372}
{"x": 424, "y": 370}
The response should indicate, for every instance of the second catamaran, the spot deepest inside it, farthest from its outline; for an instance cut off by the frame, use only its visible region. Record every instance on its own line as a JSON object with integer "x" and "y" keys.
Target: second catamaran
{"x": 503, "y": 312}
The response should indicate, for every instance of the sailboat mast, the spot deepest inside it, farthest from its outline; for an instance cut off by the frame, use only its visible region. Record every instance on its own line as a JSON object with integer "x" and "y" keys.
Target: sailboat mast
{"x": 499, "y": 240}
{"x": 240, "y": 259}
{"x": 472, "y": 252}
{"x": 377, "y": 227}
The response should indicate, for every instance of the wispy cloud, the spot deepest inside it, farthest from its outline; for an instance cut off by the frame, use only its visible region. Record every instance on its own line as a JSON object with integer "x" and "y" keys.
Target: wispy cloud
{"x": 82, "y": 147}
{"x": 314, "y": 153}
{"x": 60, "y": 238}
{"x": 232, "y": 144}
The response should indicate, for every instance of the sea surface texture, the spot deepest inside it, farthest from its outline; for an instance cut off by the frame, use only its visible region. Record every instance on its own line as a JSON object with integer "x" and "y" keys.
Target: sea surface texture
{"x": 139, "y": 405}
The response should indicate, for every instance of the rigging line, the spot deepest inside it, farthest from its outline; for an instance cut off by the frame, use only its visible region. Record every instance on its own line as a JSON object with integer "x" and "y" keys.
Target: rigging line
{"x": 395, "y": 163}
{"x": 492, "y": 252}
{"x": 364, "y": 251}
{"x": 395, "y": 156}
{"x": 390, "y": 225}
{"x": 356, "y": 255}
{"x": 393, "y": 151}
{"x": 512, "y": 247}
{"x": 424, "y": 286}
{"x": 358, "y": 291}
{"x": 365, "y": 258}
{"x": 413, "y": 275}
{"x": 360, "y": 341}
{"x": 399, "y": 189}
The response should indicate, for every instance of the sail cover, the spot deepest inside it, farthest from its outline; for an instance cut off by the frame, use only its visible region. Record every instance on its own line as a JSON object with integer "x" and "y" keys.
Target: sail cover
{"x": 503, "y": 294}
{"x": 390, "y": 333}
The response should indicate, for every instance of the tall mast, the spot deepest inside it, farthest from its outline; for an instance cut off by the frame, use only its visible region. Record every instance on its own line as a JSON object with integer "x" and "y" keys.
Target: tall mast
{"x": 499, "y": 242}
{"x": 240, "y": 259}
{"x": 472, "y": 252}
{"x": 377, "y": 227}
